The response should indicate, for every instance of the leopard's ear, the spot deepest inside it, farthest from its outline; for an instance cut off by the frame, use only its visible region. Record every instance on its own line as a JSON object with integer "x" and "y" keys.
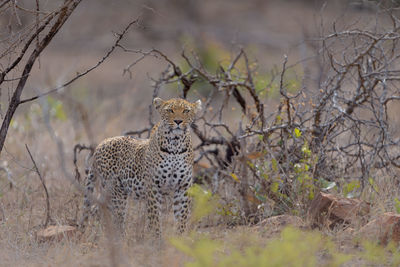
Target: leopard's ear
{"x": 197, "y": 104}
{"x": 157, "y": 102}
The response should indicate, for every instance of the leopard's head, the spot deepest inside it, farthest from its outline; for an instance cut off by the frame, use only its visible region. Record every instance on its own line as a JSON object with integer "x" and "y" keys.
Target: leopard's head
{"x": 177, "y": 114}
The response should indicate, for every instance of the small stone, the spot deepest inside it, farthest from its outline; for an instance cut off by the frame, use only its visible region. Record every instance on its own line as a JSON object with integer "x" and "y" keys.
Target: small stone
{"x": 329, "y": 210}
{"x": 385, "y": 228}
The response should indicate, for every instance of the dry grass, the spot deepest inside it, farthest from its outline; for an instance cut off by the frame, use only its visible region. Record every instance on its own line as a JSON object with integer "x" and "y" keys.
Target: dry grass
{"x": 19, "y": 246}
{"x": 23, "y": 210}
{"x": 24, "y": 213}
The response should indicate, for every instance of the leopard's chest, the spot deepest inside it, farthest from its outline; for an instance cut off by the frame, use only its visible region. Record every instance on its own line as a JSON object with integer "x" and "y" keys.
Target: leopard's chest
{"x": 173, "y": 171}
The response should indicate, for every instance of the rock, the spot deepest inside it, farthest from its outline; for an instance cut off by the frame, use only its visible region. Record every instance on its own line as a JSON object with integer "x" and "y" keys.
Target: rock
{"x": 329, "y": 210}
{"x": 384, "y": 229}
{"x": 56, "y": 233}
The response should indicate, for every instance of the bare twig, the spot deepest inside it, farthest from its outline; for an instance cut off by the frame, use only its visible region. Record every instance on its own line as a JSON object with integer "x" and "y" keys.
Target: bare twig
{"x": 77, "y": 149}
{"x": 79, "y": 75}
{"x": 48, "y": 218}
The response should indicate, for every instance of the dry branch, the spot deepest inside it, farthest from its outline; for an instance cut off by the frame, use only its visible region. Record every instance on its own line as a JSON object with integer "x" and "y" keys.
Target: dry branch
{"x": 79, "y": 75}
{"x": 60, "y": 17}
{"x": 77, "y": 149}
{"x": 48, "y": 218}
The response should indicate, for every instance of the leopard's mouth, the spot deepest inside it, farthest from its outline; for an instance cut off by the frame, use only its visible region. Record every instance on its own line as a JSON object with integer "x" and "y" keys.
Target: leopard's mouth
{"x": 178, "y": 128}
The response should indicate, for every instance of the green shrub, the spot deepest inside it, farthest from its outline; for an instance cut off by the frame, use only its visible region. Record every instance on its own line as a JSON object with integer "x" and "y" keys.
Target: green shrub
{"x": 293, "y": 248}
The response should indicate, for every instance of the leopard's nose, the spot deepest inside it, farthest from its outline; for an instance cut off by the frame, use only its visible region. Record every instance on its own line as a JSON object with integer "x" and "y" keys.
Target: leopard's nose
{"x": 178, "y": 121}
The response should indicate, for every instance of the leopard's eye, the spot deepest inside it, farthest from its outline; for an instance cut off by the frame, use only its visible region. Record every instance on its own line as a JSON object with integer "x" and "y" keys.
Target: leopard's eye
{"x": 186, "y": 111}
{"x": 170, "y": 110}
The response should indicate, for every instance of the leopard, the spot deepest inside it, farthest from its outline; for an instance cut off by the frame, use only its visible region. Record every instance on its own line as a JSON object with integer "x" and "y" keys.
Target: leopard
{"x": 148, "y": 169}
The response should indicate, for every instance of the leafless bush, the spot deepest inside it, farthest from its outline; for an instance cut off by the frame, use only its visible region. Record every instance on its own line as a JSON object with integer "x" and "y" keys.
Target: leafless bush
{"x": 351, "y": 126}
{"x": 334, "y": 127}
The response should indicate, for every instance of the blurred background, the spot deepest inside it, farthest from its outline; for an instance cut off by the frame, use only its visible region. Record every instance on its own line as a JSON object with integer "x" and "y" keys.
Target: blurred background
{"x": 266, "y": 29}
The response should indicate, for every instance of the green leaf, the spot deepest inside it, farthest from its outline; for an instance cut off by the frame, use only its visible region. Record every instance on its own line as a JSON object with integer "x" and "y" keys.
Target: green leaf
{"x": 56, "y": 108}
{"x": 297, "y": 132}
{"x": 274, "y": 187}
{"x": 349, "y": 188}
{"x": 397, "y": 205}
{"x": 251, "y": 164}
{"x": 234, "y": 176}
{"x": 274, "y": 165}
{"x": 278, "y": 119}
{"x": 306, "y": 167}
{"x": 311, "y": 195}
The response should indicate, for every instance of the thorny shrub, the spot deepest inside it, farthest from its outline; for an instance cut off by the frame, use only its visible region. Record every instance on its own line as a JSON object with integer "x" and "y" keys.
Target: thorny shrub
{"x": 267, "y": 142}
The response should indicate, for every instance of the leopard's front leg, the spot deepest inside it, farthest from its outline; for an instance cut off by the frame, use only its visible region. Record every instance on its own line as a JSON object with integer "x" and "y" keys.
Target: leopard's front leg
{"x": 182, "y": 201}
{"x": 154, "y": 210}
{"x": 181, "y": 209}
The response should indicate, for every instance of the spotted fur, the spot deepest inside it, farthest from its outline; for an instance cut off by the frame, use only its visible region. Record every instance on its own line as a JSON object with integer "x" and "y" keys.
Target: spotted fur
{"x": 148, "y": 169}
